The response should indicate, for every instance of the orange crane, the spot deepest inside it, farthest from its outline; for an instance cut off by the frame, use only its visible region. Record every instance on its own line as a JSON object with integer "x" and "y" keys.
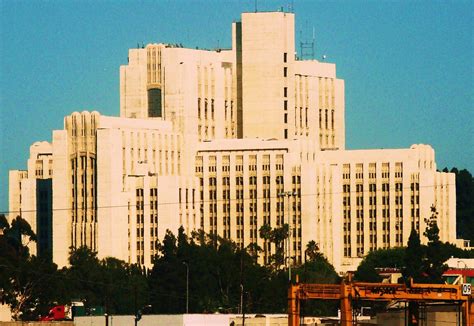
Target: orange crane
{"x": 345, "y": 292}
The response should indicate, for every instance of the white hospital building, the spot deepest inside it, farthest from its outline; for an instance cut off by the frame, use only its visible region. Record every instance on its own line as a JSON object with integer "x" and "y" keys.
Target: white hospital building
{"x": 226, "y": 141}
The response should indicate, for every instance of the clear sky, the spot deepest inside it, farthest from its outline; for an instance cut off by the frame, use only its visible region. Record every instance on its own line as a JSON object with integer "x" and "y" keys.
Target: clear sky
{"x": 407, "y": 65}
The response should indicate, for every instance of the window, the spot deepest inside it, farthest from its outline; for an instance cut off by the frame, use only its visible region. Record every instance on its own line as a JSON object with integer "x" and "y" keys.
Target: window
{"x": 199, "y": 107}
{"x": 286, "y": 134}
{"x": 285, "y": 105}
{"x": 285, "y": 57}
{"x": 285, "y": 71}
{"x": 285, "y": 91}
{"x": 212, "y": 109}
{"x": 286, "y": 118}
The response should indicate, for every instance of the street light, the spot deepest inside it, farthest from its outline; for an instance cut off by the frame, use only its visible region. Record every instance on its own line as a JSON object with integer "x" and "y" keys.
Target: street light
{"x": 288, "y": 194}
{"x": 187, "y": 286}
{"x": 140, "y": 312}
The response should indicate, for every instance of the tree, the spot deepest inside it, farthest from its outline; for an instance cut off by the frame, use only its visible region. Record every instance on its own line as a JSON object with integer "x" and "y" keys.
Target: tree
{"x": 118, "y": 287}
{"x": 317, "y": 269}
{"x": 425, "y": 264}
{"x": 277, "y": 237}
{"x": 24, "y": 280}
{"x": 312, "y": 251}
{"x": 380, "y": 258}
{"x": 414, "y": 254}
{"x": 464, "y": 203}
{"x": 219, "y": 272}
{"x": 84, "y": 277}
{"x": 166, "y": 280}
{"x": 434, "y": 263}
{"x": 414, "y": 269}
{"x": 124, "y": 287}
{"x": 449, "y": 250}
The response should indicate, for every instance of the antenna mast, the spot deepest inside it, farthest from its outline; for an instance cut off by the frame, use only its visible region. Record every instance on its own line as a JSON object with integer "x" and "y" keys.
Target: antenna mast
{"x": 291, "y": 6}
{"x": 307, "y": 47}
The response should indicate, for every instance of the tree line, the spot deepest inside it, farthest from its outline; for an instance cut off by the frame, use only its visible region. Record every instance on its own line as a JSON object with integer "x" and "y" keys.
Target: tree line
{"x": 464, "y": 203}
{"x": 219, "y": 275}
{"x": 422, "y": 263}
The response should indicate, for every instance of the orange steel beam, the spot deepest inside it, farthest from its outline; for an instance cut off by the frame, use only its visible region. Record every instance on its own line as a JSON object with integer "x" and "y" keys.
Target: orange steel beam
{"x": 381, "y": 291}
{"x": 374, "y": 292}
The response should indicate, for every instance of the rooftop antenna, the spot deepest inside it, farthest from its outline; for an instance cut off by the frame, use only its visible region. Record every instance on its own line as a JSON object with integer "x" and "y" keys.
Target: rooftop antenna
{"x": 307, "y": 47}
{"x": 291, "y": 6}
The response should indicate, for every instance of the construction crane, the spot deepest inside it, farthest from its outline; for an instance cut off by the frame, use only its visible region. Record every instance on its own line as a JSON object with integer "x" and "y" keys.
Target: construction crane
{"x": 346, "y": 292}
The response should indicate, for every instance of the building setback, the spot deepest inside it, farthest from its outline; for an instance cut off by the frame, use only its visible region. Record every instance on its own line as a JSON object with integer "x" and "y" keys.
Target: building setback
{"x": 227, "y": 141}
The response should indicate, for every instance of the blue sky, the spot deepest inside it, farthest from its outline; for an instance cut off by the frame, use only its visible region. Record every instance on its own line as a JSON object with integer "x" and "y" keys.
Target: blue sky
{"x": 407, "y": 65}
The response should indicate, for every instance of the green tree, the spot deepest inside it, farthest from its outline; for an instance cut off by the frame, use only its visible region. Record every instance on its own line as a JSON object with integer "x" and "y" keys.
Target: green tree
{"x": 448, "y": 250}
{"x": 317, "y": 269}
{"x": 312, "y": 251}
{"x": 24, "y": 280}
{"x": 414, "y": 256}
{"x": 434, "y": 263}
{"x": 124, "y": 286}
{"x": 380, "y": 258}
{"x": 277, "y": 237}
{"x": 219, "y": 273}
{"x": 414, "y": 269}
{"x": 118, "y": 287}
{"x": 425, "y": 264}
{"x": 464, "y": 204}
{"x": 167, "y": 278}
{"x": 84, "y": 277}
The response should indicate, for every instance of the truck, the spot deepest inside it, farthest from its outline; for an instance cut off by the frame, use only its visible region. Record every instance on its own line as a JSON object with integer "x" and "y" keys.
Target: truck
{"x": 61, "y": 312}
{"x": 65, "y": 312}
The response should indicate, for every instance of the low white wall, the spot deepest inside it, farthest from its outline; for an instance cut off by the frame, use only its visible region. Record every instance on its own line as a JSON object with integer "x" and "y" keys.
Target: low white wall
{"x": 179, "y": 320}
{"x": 5, "y": 313}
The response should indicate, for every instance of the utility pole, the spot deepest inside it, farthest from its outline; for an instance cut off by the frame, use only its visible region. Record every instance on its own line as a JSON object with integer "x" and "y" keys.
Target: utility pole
{"x": 241, "y": 281}
{"x": 243, "y": 308}
{"x": 187, "y": 286}
{"x": 242, "y": 304}
{"x": 106, "y": 305}
{"x": 135, "y": 304}
{"x": 288, "y": 195}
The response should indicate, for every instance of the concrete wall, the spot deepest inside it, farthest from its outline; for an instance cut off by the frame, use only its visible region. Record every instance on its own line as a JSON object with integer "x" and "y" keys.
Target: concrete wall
{"x": 185, "y": 320}
{"x": 5, "y": 313}
{"x": 157, "y": 320}
{"x": 36, "y": 323}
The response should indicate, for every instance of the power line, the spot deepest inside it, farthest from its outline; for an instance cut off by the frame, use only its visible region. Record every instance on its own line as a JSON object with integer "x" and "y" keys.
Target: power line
{"x": 225, "y": 200}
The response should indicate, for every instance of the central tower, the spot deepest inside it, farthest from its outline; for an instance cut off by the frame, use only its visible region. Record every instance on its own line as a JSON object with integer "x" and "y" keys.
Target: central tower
{"x": 265, "y": 53}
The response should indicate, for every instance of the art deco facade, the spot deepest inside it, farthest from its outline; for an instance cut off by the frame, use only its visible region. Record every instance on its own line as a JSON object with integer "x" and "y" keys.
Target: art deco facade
{"x": 227, "y": 141}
